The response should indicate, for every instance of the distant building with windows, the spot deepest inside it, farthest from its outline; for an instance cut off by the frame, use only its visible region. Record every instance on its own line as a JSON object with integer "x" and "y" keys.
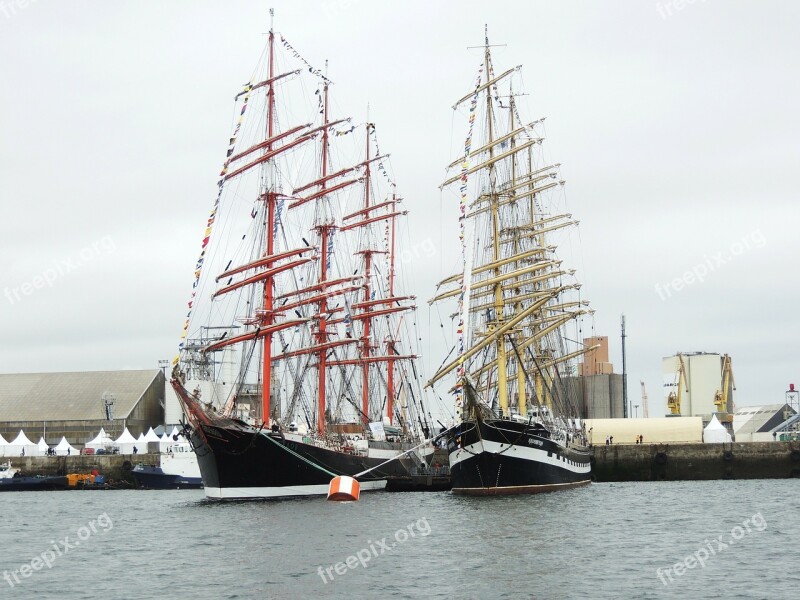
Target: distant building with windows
{"x": 757, "y": 423}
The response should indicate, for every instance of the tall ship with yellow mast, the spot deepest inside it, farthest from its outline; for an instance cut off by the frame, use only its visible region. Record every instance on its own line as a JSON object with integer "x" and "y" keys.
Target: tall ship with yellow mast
{"x": 518, "y": 307}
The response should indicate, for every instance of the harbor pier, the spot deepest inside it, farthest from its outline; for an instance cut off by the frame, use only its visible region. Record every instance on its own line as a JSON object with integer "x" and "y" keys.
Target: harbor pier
{"x": 112, "y": 466}
{"x": 672, "y": 462}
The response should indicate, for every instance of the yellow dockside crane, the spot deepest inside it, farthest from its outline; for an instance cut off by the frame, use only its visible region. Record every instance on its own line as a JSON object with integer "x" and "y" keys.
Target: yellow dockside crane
{"x": 674, "y": 398}
{"x": 721, "y": 397}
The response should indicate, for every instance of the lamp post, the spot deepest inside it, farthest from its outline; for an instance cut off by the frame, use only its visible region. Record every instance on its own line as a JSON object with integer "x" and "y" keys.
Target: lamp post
{"x": 635, "y": 410}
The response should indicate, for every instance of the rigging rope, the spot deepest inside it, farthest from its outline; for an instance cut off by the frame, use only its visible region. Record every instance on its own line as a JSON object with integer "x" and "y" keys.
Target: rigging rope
{"x": 300, "y": 456}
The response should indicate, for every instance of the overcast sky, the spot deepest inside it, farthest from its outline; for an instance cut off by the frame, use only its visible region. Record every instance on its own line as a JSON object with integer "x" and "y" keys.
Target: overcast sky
{"x": 676, "y": 127}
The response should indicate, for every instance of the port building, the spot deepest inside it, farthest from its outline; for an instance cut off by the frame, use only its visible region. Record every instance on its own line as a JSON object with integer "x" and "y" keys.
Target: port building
{"x": 76, "y": 405}
{"x": 701, "y": 383}
{"x": 758, "y": 423}
{"x": 596, "y": 384}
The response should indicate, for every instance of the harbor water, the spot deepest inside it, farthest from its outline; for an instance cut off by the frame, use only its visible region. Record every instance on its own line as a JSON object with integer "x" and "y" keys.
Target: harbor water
{"x": 706, "y": 539}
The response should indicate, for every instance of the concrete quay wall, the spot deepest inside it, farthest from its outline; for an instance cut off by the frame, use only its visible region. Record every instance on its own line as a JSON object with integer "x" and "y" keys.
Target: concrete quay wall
{"x": 111, "y": 466}
{"x": 672, "y": 462}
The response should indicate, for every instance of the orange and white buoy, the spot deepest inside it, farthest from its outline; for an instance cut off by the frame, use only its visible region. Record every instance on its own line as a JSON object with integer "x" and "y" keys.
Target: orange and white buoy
{"x": 343, "y": 488}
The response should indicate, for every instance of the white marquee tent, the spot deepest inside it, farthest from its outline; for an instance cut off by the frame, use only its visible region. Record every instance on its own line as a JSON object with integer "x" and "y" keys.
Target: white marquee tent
{"x": 167, "y": 439}
{"x": 715, "y": 432}
{"x": 127, "y": 443}
{"x": 101, "y": 441}
{"x": 22, "y": 446}
{"x": 65, "y": 449}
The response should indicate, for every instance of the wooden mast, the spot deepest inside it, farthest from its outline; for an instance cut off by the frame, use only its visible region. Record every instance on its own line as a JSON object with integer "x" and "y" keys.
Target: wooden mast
{"x": 497, "y": 324}
{"x": 522, "y": 401}
{"x": 323, "y": 230}
{"x": 365, "y": 346}
{"x": 390, "y": 349}
{"x": 539, "y": 383}
{"x": 269, "y": 290}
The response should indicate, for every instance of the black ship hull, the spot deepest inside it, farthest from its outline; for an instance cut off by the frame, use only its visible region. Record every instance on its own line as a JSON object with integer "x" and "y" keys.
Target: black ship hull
{"x": 153, "y": 478}
{"x": 498, "y": 457}
{"x": 239, "y": 461}
{"x": 33, "y": 484}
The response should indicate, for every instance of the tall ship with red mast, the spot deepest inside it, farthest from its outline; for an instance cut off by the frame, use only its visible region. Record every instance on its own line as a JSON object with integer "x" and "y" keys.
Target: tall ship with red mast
{"x": 296, "y": 361}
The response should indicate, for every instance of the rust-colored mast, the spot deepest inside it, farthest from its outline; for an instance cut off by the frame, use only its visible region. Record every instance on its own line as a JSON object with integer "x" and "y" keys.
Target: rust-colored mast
{"x": 367, "y": 273}
{"x": 268, "y": 317}
{"x": 323, "y": 230}
{"x": 390, "y": 349}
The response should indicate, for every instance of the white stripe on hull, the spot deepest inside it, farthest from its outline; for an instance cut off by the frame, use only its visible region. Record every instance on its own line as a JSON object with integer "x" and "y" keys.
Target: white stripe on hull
{"x": 232, "y": 493}
{"x": 381, "y": 453}
{"x": 522, "y": 452}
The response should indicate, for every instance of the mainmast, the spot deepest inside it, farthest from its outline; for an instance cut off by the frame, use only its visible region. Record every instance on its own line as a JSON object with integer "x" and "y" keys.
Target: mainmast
{"x": 367, "y": 325}
{"x": 502, "y": 376}
{"x": 269, "y": 286}
{"x": 324, "y": 229}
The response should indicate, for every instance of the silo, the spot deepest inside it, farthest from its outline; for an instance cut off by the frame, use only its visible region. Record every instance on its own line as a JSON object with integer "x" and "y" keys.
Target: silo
{"x": 703, "y": 378}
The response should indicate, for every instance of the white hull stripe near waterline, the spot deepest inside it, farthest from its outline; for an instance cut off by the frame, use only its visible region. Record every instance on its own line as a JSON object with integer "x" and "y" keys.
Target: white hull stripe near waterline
{"x": 521, "y": 452}
{"x": 232, "y": 493}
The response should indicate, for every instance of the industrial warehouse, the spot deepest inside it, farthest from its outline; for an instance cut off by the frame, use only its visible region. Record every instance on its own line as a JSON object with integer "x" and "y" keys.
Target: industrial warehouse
{"x": 76, "y": 406}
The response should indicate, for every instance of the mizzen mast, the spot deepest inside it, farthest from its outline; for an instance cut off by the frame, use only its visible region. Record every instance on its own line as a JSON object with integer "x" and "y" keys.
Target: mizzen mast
{"x": 372, "y": 305}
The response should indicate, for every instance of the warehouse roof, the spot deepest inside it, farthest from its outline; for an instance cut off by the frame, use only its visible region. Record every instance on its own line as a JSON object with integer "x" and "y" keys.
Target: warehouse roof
{"x": 71, "y": 396}
{"x": 752, "y": 419}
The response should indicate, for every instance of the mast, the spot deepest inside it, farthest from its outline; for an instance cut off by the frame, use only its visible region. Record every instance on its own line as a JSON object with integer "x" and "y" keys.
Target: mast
{"x": 502, "y": 375}
{"x": 367, "y": 273}
{"x": 390, "y": 349}
{"x": 323, "y": 231}
{"x": 625, "y": 412}
{"x": 372, "y": 306}
{"x": 538, "y": 236}
{"x": 268, "y": 316}
{"x": 522, "y": 401}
